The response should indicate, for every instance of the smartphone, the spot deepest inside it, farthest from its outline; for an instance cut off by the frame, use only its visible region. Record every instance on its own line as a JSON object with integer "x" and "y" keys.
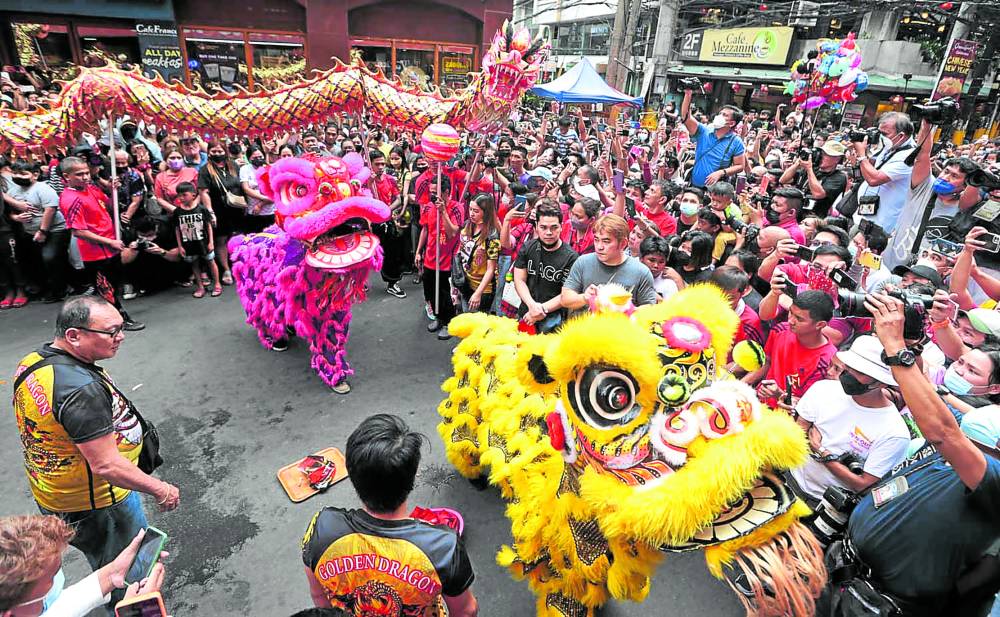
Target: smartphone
{"x": 741, "y": 184}
{"x": 952, "y": 310}
{"x": 992, "y": 242}
{"x": 147, "y": 605}
{"x": 634, "y": 124}
{"x": 147, "y": 556}
{"x": 601, "y": 127}
{"x": 805, "y": 253}
{"x": 520, "y": 203}
{"x": 765, "y": 182}
{"x": 945, "y": 247}
{"x": 865, "y": 226}
{"x": 791, "y": 289}
{"x": 870, "y": 260}
{"x": 843, "y": 280}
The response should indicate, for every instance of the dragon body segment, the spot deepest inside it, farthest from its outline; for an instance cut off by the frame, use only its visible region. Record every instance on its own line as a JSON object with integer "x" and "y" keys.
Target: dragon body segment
{"x": 618, "y": 440}
{"x": 510, "y": 67}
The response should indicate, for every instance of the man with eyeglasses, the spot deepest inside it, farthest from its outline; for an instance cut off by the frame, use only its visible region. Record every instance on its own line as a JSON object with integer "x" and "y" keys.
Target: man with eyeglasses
{"x": 81, "y": 437}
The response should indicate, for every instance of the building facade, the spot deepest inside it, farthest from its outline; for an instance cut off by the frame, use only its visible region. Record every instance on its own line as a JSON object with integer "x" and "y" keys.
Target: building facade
{"x": 255, "y": 43}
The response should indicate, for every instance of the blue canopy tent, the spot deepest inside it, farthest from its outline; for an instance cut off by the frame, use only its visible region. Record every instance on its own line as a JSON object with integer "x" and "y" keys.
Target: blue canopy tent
{"x": 582, "y": 84}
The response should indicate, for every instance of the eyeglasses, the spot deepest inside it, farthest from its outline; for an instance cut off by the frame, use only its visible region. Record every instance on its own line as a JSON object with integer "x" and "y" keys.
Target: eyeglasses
{"x": 113, "y": 332}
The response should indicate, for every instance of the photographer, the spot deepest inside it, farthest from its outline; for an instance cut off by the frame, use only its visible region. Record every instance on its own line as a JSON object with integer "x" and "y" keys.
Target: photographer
{"x": 886, "y": 185}
{"x": 824, "y": 185}
{"x": 920, "y": 534}
{"x": 933, "y": 201}
{"x": 152, "y": 262}
{"x": 719, "y": 151}
{"x": 855, "y": 433}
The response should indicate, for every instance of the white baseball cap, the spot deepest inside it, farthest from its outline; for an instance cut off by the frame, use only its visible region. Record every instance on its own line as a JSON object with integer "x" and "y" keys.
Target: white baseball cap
{"x": 865, "y": 356}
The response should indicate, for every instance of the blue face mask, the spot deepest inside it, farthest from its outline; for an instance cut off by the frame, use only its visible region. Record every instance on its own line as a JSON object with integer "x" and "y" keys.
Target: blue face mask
{"x": 58, "y": 582}
{"x": 956, "y": 383}
{"x": 943, "y": 187}
{"x": 688, "y": 209}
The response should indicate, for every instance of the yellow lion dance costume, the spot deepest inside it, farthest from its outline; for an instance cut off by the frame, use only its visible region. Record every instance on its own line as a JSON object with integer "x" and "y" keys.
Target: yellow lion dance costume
{"x": 620, "y": 438}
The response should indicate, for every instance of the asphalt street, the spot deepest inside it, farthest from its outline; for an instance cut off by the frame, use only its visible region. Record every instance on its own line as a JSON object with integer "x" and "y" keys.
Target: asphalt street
{"x": 230, "y": 414}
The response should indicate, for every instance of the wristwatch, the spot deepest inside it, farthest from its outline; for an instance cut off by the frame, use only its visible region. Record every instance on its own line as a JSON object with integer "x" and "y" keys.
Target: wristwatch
{"x": 905, "y": 358}
{"x": 942, "y": 391}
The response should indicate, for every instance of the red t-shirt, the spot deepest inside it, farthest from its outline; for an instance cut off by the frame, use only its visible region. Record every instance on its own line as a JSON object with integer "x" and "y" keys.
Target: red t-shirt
{"x": 789, "y": 357}
{"x": 582, "y": 243}
{"x": 750, "y": 328}
{"x": 86, "y": 211}
{"x": 165, "y": 185}
{"x": 386, "y": 188}
{"x": 664, "y": 220}
{"x": 428, "y": 218}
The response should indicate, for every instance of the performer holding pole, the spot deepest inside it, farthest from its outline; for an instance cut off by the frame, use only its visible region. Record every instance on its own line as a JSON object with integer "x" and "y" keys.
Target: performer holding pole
{"x": 439, "y": 143}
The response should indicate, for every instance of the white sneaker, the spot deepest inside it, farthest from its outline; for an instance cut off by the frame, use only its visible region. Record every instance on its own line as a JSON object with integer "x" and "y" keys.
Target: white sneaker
{"x": 128, "y": 292}
{"x": 429, "y": 311}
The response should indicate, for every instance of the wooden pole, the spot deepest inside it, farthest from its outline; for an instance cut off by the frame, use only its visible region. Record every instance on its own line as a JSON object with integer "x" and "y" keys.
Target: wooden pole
{"x": 114, "y": 177}
{"x": 437, "y": 246}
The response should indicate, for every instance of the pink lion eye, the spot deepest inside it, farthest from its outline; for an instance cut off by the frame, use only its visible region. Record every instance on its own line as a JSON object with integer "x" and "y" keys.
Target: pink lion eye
{"x": 301, "y": 190}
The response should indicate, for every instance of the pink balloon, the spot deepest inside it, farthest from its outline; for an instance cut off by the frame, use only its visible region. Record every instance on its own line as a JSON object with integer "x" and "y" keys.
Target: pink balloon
{"x": 813, "y": 102}
{"x": 856, "y": 61}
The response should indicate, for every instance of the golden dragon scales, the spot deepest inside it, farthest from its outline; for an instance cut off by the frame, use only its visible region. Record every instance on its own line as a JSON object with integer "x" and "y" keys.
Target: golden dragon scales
{"x": 511, "y": 66}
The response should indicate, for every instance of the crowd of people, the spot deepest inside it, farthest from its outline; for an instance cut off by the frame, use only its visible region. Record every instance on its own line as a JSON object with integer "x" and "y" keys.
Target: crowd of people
{"x": 864, "y": 264}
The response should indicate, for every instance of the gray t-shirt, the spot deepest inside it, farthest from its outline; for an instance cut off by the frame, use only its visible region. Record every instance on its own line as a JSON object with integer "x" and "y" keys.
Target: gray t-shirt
{"x": 631, "y": 274}
{"x": 40, "y": 196}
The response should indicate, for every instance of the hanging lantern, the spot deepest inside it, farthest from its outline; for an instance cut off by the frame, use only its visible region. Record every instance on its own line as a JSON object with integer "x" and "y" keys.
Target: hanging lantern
{"x": 947, "y": 6}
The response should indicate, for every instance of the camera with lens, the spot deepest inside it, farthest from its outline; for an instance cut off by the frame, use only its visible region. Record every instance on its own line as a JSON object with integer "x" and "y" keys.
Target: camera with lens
{"x": 489, "y": 161}
{"x": 761, "y": 201}
{"x": 985, "y": 179}
{"x": 915, "y": 309}
{"x": 829, "y": 519}
{"x": 738, "y": 226}
{"x": 941, "y": 111}
{"x": 852, "y": 462}
{"x": 858, "y": 135}
{"x": 689, "y": 83}
{"x": 143, "y": 244}
{"x": 809, "y": 154}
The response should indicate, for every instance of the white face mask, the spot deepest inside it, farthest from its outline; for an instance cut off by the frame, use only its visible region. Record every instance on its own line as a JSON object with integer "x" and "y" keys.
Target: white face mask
{"x": 718, "y": 121}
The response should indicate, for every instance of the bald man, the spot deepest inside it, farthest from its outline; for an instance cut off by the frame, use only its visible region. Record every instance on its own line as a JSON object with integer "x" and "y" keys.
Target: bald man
{"x": 774, "y": 243}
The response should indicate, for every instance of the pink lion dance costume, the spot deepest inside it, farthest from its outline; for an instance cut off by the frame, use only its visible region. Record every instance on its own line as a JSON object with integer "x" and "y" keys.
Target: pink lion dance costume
{"x": 303, "y": 274}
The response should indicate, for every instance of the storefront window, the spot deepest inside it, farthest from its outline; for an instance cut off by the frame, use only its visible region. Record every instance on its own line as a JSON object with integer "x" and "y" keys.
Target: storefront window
{"x": 219, "y": 62}
{"x": 119, "y": 44}
{"x": 456, "y": 64}
{"x": 377, "y": 56}
{"x": 415, "y": 66}
{"x": 42, "y": 45}
{"x": 276, "y": 60}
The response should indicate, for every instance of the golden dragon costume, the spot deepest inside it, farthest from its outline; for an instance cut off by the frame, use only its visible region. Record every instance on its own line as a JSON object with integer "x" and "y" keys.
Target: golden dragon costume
{"x": 619, "y": 439}
{"x": 511, "y": 66}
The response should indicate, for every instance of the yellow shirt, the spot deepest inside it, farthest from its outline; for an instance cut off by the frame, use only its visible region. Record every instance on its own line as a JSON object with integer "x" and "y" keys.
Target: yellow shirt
{"x": 61, "y": 405}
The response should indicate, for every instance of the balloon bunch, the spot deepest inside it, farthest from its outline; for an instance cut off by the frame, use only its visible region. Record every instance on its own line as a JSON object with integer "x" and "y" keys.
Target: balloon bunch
{"x": 831, "y": 74}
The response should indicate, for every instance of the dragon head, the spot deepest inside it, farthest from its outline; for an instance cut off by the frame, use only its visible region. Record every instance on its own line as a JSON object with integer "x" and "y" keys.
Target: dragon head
{"x": 322, "y": 202}
{"x": 512, "y": 64}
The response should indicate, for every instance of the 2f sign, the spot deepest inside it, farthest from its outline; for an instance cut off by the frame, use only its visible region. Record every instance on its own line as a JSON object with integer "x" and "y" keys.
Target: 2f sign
{"x": 691, "y": 44}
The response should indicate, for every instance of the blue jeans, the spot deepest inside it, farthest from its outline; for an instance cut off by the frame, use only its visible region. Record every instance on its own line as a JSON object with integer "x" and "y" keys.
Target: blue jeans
{"x": 104, "y": 533}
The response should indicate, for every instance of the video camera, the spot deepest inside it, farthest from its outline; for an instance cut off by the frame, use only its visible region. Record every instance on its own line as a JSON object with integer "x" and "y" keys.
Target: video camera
{"x": 689, "y": 83}
{"x": 829, "y": 520}
{"x": 941, "y": 111}
{"x": 857, "y": 135}
{"x": 737, "y": 225}
{"x": 983, "y": 178}
{"x": 915, "y": 308}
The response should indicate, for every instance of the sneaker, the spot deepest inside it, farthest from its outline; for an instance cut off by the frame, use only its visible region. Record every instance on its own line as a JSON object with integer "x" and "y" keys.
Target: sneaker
{"x": 443, "y": 334}
{"x": 417, "y": 278}
{"x": 429, "y": 311}
{"x": 342, "y": 387}
{"x": 280, "y": 345}
{"x": 128, "y": 292}
{"x": 132, "y": 325}
{"x": 434, "y": 326}
{"x": 394, "y": 290}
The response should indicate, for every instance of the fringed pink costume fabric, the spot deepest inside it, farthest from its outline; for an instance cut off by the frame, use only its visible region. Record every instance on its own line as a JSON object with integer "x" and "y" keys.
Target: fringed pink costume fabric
{"x": 302, "y": 275}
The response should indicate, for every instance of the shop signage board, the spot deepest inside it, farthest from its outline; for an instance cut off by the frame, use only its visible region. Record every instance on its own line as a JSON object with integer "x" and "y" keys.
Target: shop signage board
{"x": 741, "y": 46}
{"x": 853, "y": 113}
{"x": 160, "y": 50}
{"x": 955, "y": 69}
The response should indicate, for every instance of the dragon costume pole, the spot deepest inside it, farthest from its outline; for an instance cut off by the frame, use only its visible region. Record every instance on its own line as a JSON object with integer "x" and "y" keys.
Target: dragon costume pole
{"x": 114, "y": 176}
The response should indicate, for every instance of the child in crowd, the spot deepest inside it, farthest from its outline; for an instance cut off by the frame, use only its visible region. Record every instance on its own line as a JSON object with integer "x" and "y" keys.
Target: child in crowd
{"x": 191, "y": 222}
{"x": 736, "y": 284}
{"x": 654, "y": 251}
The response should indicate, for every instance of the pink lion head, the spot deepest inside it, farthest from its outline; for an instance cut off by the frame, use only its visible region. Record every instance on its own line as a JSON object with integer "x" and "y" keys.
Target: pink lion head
{"x": 322, "y": 201}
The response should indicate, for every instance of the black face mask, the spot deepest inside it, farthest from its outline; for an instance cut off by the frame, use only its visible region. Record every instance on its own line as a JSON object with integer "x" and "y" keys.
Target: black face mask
{"x": 22, "y": 181}
{"x": 256, "y": 162}
{"x": 772, "y": 217}
{"x": 218, "y": 158}
{"x": 852, "y": 386}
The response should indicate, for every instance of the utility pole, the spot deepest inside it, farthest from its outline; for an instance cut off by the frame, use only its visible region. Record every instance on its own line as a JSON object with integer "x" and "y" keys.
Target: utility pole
{"x": 625, "y": 56}
{"x": 666, "y": 33}
{"x": 616, "y": 43}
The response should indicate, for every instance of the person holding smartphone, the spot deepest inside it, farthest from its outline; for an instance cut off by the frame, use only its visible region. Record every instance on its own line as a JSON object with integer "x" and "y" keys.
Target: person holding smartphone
{"x": 32, "y": 581}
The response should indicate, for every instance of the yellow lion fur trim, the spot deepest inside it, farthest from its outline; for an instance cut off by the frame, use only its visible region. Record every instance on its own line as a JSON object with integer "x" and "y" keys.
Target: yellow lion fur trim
{"x": 723, "y": 554}
{"x": 717, "y": 473}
